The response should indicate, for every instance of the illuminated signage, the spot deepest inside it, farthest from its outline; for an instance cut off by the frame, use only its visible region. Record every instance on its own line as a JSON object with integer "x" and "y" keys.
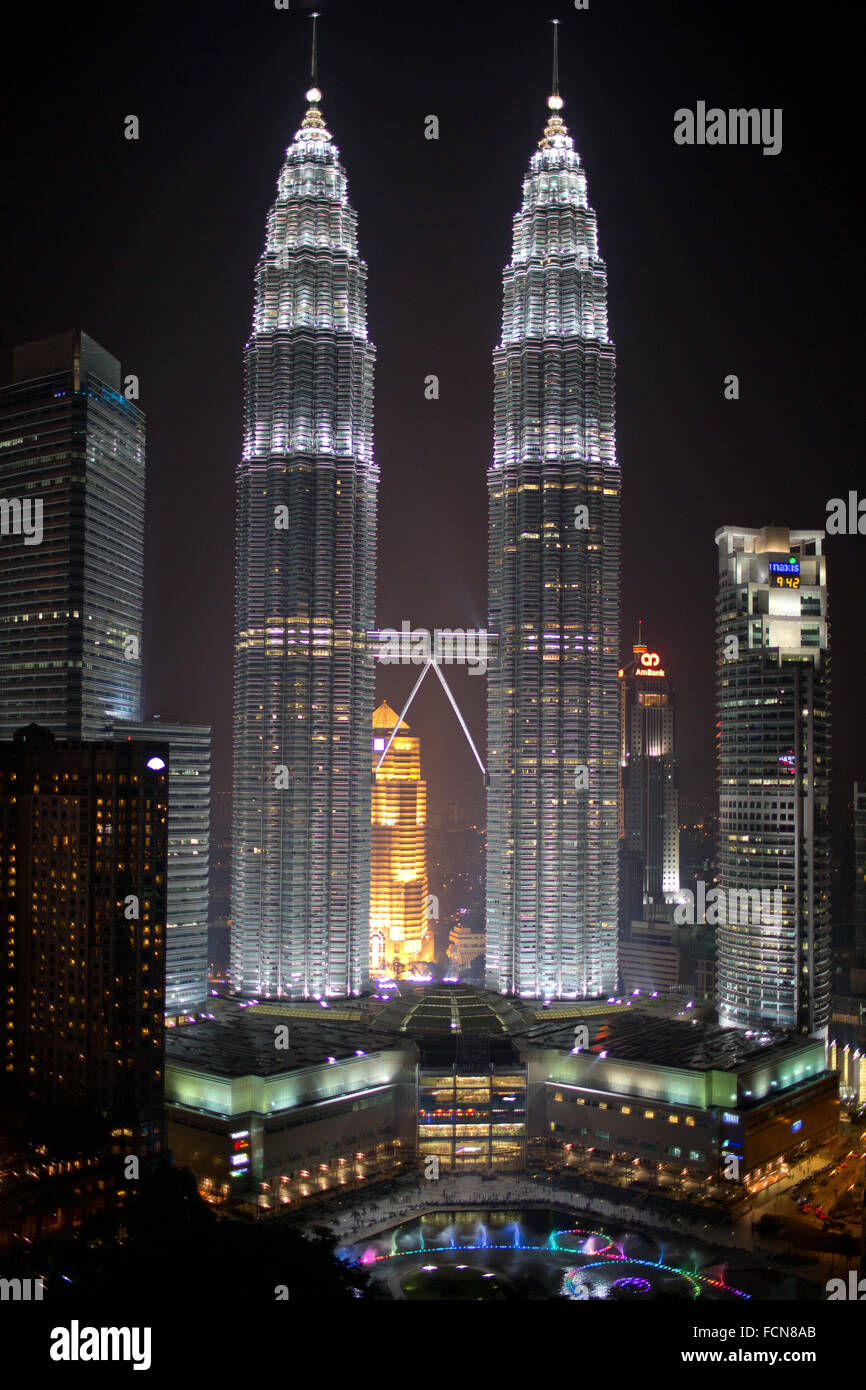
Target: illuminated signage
{"x": 650, "y": 665}
{"x": 785, "y": 574}
{"x": 730, "y": 1119}
{"x": 241, "y": 1145}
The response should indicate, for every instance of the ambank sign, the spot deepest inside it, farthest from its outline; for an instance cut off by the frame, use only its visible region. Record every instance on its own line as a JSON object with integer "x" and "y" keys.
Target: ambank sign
{"x": 650, "y": 665}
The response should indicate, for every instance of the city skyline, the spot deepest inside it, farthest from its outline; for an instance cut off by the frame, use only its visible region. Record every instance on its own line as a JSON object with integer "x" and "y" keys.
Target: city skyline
{"x": 315, "y": 989}
{"x": 671, "y": 215}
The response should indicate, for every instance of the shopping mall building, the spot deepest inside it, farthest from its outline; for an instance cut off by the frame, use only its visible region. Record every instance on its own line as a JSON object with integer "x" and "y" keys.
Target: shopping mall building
{"x": 272, "y": 1101}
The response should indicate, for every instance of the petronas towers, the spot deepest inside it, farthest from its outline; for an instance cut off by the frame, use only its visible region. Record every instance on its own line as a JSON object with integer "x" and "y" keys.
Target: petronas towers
{"x": 304, "y": 629}
{"x": 554, "y": 517}
{"x": 306, "y": 564}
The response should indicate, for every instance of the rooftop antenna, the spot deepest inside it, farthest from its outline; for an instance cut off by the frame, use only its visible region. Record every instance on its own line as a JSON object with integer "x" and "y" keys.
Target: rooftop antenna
{"x": 555, "y": 101}
{"x": 314, "y": 94}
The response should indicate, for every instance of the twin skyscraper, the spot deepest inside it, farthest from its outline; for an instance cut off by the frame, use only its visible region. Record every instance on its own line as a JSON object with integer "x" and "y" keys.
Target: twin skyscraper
{"x": 305, "y": 644}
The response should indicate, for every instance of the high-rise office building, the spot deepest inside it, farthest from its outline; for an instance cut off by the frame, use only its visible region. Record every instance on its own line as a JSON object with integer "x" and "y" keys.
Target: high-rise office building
{"x": 773, "y": 745}
{"x": 71, "y": 601}
{"x": 652, "y": 952}
{"x": 400, "y": 930}
{"x": 648, "y": 774}
{"x": 554, "y": 549}
{"x": 189, "y": 783}
{"x": 305, "y": 591}
{"x": 82, "y": 927}
{"x": 72, "y": 460}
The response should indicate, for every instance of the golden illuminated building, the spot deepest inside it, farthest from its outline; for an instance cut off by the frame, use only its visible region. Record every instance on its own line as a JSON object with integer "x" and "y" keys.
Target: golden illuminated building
{"x": 400, "y": 935}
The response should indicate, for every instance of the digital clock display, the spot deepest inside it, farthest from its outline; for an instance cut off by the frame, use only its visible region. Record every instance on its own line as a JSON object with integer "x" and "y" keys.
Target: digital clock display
{"x": 785, "y": 574}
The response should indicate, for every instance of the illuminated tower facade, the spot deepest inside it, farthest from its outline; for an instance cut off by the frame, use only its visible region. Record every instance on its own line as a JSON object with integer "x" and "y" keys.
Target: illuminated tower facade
{"x": 400, "y": 935}
{"x": 306, "y": 542}
{"x": 773, "y": 766}
{"x": 554, "y": 549}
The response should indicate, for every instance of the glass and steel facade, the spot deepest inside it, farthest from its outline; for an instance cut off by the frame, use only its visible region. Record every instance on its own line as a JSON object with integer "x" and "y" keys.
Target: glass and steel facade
{"x": 472, "y": 1123}
{"x": 773, "y": 765}
{"x": 306, "y": 540}
{"x": 71, "y": 604}
{"x": 554, "y": 544}
{"x": 648, "y": 777}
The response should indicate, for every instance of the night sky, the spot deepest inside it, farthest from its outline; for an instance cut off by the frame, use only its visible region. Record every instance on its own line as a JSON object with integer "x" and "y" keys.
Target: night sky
{"x": 719, "y": 260}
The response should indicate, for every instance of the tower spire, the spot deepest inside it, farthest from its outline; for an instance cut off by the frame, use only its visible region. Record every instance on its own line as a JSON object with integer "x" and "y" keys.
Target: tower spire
{"x": 314, "y": 94}
{"x": 555, "y": 101}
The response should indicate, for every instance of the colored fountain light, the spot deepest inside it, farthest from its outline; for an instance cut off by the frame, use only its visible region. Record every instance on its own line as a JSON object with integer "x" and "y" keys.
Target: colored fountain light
{"x": 574, "y": 1240}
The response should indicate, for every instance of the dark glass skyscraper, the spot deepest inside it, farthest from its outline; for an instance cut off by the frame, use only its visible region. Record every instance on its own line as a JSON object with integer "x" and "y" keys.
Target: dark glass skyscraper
{"x": 72, "y": 446}
{"x": 553, "y": 702}
{"x": 650, "y": 824}
{"x": 305, "y": 593}
{"x": 773, "y": 759}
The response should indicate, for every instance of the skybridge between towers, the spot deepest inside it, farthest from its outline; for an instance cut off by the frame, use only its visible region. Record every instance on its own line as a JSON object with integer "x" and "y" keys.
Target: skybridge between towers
{"x": 470, "y": 647}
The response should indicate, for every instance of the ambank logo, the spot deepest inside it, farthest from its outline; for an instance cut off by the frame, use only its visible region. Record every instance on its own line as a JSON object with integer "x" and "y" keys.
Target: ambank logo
{"x": 650, "y": 665}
